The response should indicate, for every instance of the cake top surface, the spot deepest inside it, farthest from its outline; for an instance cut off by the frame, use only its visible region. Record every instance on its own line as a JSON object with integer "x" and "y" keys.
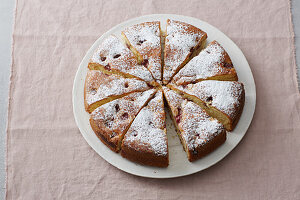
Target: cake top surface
{"x": 179, "y": 43}
{"x": 147, "y": 132}
{"x": 100, "y": 86}
{"x": 196, "y": 126}
{"x": 223, "y": 95}
{"x": 113, "y": 54}
{"x": 111, "y": 48}
{"x": 145, "y": 38}
{"x": 210, "y": 62}
{"x": 118, "y": 114}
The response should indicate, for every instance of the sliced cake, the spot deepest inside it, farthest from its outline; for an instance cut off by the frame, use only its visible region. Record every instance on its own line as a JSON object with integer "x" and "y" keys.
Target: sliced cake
{"x": 182, "y": 42}
{"x": 113, "y": 57}
{"x": 146, "y": 140}
{"x": 198, "y": 133}
{"x": 212, "y": 63}
{"x": 145, "y": 42}
{"x": 223, "y": 100}
{"x": 101, "y": 88}
{"x": 111, "y": 121}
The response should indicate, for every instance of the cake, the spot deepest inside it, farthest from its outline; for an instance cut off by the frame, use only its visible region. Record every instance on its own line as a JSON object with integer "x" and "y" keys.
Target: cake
{"x": 182, "y": 42}
{"x": 113, "y": 57}
{"x": 212, "y": 63}
{"x": 145, "y": 42}
{"x": 146, "y": 140}
{"x": 198, "y": 132}
{"x": 223, "y": 100}
{"x": 111, "y": 121}
{"x": 101, "y": 88}
{"x": 127, "y": 82}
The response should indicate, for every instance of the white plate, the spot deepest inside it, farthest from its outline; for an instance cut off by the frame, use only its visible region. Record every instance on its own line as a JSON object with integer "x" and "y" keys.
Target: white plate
{"x": 179, "y": 165}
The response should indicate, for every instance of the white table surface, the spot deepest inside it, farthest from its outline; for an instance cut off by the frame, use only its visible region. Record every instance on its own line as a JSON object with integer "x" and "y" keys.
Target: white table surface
{"x": 6, "y": 21}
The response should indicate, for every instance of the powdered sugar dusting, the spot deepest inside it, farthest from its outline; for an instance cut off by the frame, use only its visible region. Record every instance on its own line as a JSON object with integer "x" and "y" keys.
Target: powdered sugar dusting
{"x": 144, "y": 35}
{"x": 206, "y": 64}
{"x": 145, "y": 38}
{"x": 118, "y": 114}
{"x": 174, "y": 99}
{"x": 179, "y": 41}
{"x": 197, "y": 128}
{"x": 224, "y": 95}
{"x": 147, "y": 131}
{"x": 114, "y": 54}
{"x": 108, "y": 49}
{"x": 100, "y": 86}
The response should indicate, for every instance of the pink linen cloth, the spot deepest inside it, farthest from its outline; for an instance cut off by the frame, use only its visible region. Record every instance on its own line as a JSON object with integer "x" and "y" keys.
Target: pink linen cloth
{"x": 47, "y": 158}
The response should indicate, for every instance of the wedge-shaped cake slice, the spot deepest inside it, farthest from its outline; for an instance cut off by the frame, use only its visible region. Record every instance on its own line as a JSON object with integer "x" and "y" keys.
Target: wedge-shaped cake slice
{"x": 199, "y": 133}
{"x": 144, "y": 40}
{"x": 223, "y": 100}
{"x": 182, "y": 42}
{"x": 213, "y": 63}
{"x": 113, "y": 57}
{"x": 146, "y": 140}
{"x": 111, "y": 121}
{"x": 101, "y": 88}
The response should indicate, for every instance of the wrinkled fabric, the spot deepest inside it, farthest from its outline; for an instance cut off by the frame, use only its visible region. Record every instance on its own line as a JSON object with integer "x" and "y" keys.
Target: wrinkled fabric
{"x": 47, "y": 158}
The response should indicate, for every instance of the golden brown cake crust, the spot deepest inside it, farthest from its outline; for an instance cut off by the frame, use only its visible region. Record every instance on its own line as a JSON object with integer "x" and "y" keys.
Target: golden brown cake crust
{"x": 105, "y": 138}
{"x": 209, "y": 147}
{"x": 143, "y": 157}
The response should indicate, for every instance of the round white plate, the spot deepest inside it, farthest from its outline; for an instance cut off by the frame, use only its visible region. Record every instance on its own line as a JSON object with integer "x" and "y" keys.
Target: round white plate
{"x": 179, "y": 164}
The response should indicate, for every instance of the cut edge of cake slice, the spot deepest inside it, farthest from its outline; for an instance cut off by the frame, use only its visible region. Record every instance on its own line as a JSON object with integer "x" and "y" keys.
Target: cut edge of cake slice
{"x": 101, "y": 88}
{"x": 183, "y": 41}
{"x": 222, "y": 100}
{"x": 174, "y": 101}
{"x": 194, "y": 146}
{"x": 111, "y": 121}
{"x": 144, "y": 40}
{"x": 146, "y": 140}
{"x": 212, "y": 63}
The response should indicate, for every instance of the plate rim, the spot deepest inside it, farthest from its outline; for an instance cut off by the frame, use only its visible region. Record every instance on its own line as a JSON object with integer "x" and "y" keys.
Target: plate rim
{"x": 176, "y": 17}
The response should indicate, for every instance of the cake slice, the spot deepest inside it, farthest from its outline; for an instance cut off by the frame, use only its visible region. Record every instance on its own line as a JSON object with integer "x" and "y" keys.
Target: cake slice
{"x": 101, "y": 88}
{"x": 111, "y": 121}
{"x": 213, "y": 63}
{"x": 146, "y": 140}
{"x": 182, "y": 42}
{"x": 144, "y": 40}
{"x": 199, "y": 133}
{"x": 223, "y": 100}
{"x": 113, "y": 57}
